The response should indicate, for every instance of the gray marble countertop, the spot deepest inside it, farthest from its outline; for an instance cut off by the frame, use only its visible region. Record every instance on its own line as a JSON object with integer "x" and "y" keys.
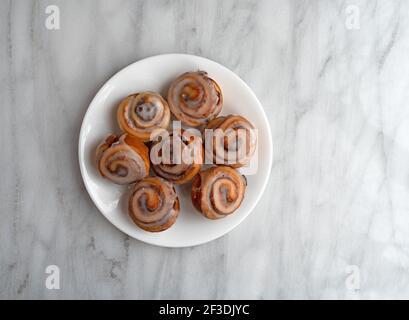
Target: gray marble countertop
{"x": 333, "y": 79}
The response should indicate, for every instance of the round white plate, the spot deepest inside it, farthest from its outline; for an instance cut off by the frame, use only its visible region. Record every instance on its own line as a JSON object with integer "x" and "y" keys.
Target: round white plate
{"x": 155, "y": 74}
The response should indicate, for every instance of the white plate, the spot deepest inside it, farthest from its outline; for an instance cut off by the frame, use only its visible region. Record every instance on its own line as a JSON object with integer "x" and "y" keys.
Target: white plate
{"x": 155, "y": 74}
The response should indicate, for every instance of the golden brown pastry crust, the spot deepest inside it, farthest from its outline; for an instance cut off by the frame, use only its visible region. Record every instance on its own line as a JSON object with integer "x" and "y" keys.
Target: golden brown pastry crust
{"x": 218, "y": 191}
{"x": 142, "y": 113}
{"x": 174, "y": 168}
{"x": 194, "y": 98}
{"x": 231, "y": 128}
{"x": 153, "y": 204}
{"x": 123, "y": 160}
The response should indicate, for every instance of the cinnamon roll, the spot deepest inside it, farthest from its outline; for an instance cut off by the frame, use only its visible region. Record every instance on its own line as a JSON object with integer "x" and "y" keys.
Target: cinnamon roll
{"x": 153, "y": 204}
{"x": 178, "y": 157}
{"x": 123, "y": 160}
{"x": 218, "y": 191}
{"x": 194, "y": 98}
{"x": 141, "y": 113}
{"x": 230, "y": 141}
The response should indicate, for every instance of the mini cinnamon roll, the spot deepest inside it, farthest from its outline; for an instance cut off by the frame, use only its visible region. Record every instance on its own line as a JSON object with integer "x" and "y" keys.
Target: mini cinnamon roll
{"x": 230, "y": 141}
{"x": 178, "y": 156}
{"x": 153, "y": 204}
{"x": 141, "y": 113}
{"x": 123, "y": 160}
{"x": 218, "y": 191}
{"x": 194, "y": 98}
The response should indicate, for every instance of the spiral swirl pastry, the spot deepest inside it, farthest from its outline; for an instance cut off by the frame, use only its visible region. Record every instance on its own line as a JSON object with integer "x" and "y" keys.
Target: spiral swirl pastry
{"x": 141, "y": 113}
{"x": 234, "y": 141}
{"x": 181, "y": 157}
{"x": 123, "y": 160}
{"x": 194, "y": 98}
{"x": 153, "y": 204}
{"x": 218, "y": 191}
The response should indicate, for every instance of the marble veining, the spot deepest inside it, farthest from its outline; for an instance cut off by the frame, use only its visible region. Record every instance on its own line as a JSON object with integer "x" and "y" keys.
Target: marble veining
{"x": 337, "y": 204}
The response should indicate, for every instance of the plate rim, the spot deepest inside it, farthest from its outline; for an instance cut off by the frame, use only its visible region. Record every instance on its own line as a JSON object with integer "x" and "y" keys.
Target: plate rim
{"x": 82, "y": 162}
